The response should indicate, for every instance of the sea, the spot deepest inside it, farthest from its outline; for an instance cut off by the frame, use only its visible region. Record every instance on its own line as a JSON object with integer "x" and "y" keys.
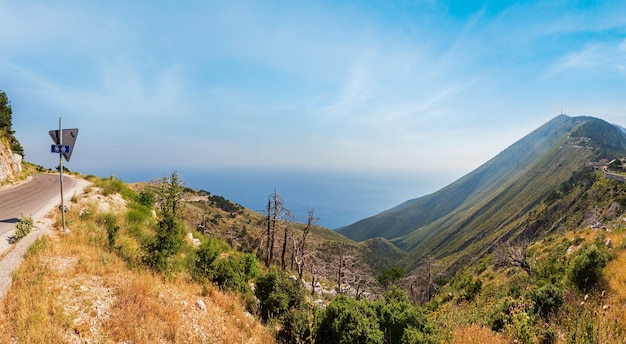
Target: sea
{"x": 337, "y": 198}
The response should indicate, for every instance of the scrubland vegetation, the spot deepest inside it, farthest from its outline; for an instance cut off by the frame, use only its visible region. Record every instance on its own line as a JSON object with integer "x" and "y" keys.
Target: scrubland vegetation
{"x": 129, "y": 272}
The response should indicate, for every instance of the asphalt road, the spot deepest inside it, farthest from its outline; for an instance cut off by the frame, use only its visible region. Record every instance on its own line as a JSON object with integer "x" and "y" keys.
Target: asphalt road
{"x": 29, "y": 198}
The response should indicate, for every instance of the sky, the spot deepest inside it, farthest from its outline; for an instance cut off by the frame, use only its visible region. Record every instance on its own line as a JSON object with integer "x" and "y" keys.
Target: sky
{"x": 424, "y": 88}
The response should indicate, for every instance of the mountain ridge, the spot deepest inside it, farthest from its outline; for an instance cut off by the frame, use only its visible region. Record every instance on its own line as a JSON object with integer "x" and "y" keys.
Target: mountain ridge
{"x": 490, "y": 204}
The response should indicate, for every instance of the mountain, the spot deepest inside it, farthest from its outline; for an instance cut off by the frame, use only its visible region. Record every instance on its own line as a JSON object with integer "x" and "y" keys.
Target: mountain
{"x": 492, "y": 203}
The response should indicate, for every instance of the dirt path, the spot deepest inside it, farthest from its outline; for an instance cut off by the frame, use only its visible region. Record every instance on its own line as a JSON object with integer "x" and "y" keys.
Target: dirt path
{"x": 41, "y": 200}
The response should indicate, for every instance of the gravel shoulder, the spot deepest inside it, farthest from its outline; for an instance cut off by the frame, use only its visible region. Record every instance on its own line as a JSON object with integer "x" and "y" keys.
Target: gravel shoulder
{"x": 12, "y": 255}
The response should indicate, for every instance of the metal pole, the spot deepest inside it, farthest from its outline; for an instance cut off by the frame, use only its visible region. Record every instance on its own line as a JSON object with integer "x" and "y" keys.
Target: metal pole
{"x": 61, "y": 173}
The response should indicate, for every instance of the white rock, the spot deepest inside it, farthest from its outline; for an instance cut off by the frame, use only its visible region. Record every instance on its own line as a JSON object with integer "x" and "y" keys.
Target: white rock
{"x": 200, "y": 304}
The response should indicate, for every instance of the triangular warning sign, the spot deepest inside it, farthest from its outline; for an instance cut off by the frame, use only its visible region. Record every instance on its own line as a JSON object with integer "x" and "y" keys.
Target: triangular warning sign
{"x": 69, "y": 137}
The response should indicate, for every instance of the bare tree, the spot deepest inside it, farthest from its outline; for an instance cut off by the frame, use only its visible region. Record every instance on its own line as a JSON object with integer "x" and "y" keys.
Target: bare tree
{"x": 277, "y": 216}
{"x": 269, "y": 236}
{"x": 300, "y": 248}
{"x": 344, "y": 262}
{"x": 315, "y": 276}
{"x": 513, "y": 254}
{"x": 429, "y": 277}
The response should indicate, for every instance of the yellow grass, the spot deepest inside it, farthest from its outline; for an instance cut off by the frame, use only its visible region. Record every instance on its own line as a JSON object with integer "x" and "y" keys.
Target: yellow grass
{"x": 474, "y": 334}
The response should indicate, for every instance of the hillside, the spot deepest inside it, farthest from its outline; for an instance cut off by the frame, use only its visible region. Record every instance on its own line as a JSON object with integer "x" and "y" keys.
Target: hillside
{"x": 101, "y": 283}
{"x": 11, "y": 151}
{"x": 93, "y": 284}
{"x": 124, "y": 273}
{"x": 10, "y": 163}
{"x": 80, "y": 287}
{"x": 491, "y": 204}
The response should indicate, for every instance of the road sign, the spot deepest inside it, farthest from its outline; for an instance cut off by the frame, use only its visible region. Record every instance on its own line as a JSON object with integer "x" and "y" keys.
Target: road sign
{"x": 69, "y": 137}
{"x": 59, "y": 149}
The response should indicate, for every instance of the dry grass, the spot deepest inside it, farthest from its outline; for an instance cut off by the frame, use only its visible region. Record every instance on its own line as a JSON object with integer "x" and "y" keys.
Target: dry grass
{"x": 71, "y": 289}
{"x": 474, "y": 334}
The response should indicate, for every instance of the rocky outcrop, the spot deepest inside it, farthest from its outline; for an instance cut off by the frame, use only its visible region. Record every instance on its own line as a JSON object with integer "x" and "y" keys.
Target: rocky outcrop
{"x": 10, "y": 163}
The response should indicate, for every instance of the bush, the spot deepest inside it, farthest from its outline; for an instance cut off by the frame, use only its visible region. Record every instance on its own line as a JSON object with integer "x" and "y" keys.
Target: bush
{"x": 206, "y": 254}
{"x": 390, "y": 276}
{"x": 145, "y": 198}
{"x": 401, "y": 320}
{"x": 503, "y": 315}
{"x": 300, "y": 325}
{"x": 233, "y": 273}
{"x": 277, "y": 295}
{"x": 546, "y": 299}
{"x": 350, "y": 321}
{"x": 168, "y": 242}
{"x": 469, "y": 287}
{"x": 110, "y": 185}
{"x": 110, "y": 222}
{"x": 585, "y": 269}
{"x": 23, "y": 227}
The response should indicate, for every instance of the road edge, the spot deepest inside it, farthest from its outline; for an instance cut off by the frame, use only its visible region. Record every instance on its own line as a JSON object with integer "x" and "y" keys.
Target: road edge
{"x": 14, "y": 256}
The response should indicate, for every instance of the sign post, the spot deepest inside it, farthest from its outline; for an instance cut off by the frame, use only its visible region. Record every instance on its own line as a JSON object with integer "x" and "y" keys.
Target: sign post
{"x": 64, "y": 145}
{"x": 61, "y": 176}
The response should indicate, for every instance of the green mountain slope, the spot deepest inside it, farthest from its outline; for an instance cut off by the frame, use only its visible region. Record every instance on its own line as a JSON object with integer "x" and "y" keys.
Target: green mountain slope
{"x": 491, "y": 204}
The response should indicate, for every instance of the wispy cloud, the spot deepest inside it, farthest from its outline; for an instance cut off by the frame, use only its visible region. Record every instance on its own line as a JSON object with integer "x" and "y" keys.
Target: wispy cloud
{"x": 329, "y": 85}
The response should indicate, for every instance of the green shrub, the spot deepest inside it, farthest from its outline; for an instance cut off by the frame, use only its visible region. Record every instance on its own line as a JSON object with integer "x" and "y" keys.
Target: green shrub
{"x": 250, "y": 265}
{"x": 206, "y": 254}
{"x": 502, "y": 316}
{"x": 277, "y": 294}
{"x": 233, "y": 273}
{"x": 110, "y": 185}
{"x": 390, "y": 276}
{"x": 145, "y": 198}
{"x": 397, "y": 314}
{"x": 168, "y": 242}
{"x": 585, "y": 269}
{"x": 549, "y": 335}
{"x": 300, "y": 325}
{"x": 468, "y": 286}
{"x": 350, "y": 321}
{"x": 546, "y": 299}
{"x": 23, "y": 227}
{"x": 135, "y": 214}
{"x": 110, "y": 222}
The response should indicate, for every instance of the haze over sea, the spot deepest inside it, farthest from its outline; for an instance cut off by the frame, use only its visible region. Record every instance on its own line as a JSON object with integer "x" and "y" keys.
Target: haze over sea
{"x": 339, "y": 198}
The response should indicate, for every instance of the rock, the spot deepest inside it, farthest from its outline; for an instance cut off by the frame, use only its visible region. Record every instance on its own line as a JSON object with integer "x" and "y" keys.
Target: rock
{"x": 194, "y": 241}
{"x": 606, "y": 307}
{"x": 320, "y": 303}
{"x": 609, "y": 243}
{"x": 570, "y": 250}
{"x": 10, "y": 163}
{"x": 200, "y": 304}
{"x": 81, "y": 327}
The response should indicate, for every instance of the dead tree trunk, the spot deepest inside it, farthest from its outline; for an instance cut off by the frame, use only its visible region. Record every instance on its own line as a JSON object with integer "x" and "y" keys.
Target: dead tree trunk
{"x": 301, "y": 250}
{"x": 283, "y": 255}
{"x": 270, "y": 244}
{"x": 276, "y": 214}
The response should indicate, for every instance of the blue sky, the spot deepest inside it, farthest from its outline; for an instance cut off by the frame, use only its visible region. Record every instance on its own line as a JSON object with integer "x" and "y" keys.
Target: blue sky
{"x": 426, "y": 88}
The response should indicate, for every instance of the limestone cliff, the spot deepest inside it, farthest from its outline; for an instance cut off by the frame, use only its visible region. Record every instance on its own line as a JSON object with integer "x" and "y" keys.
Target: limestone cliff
{"x": 10, "y": 163}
